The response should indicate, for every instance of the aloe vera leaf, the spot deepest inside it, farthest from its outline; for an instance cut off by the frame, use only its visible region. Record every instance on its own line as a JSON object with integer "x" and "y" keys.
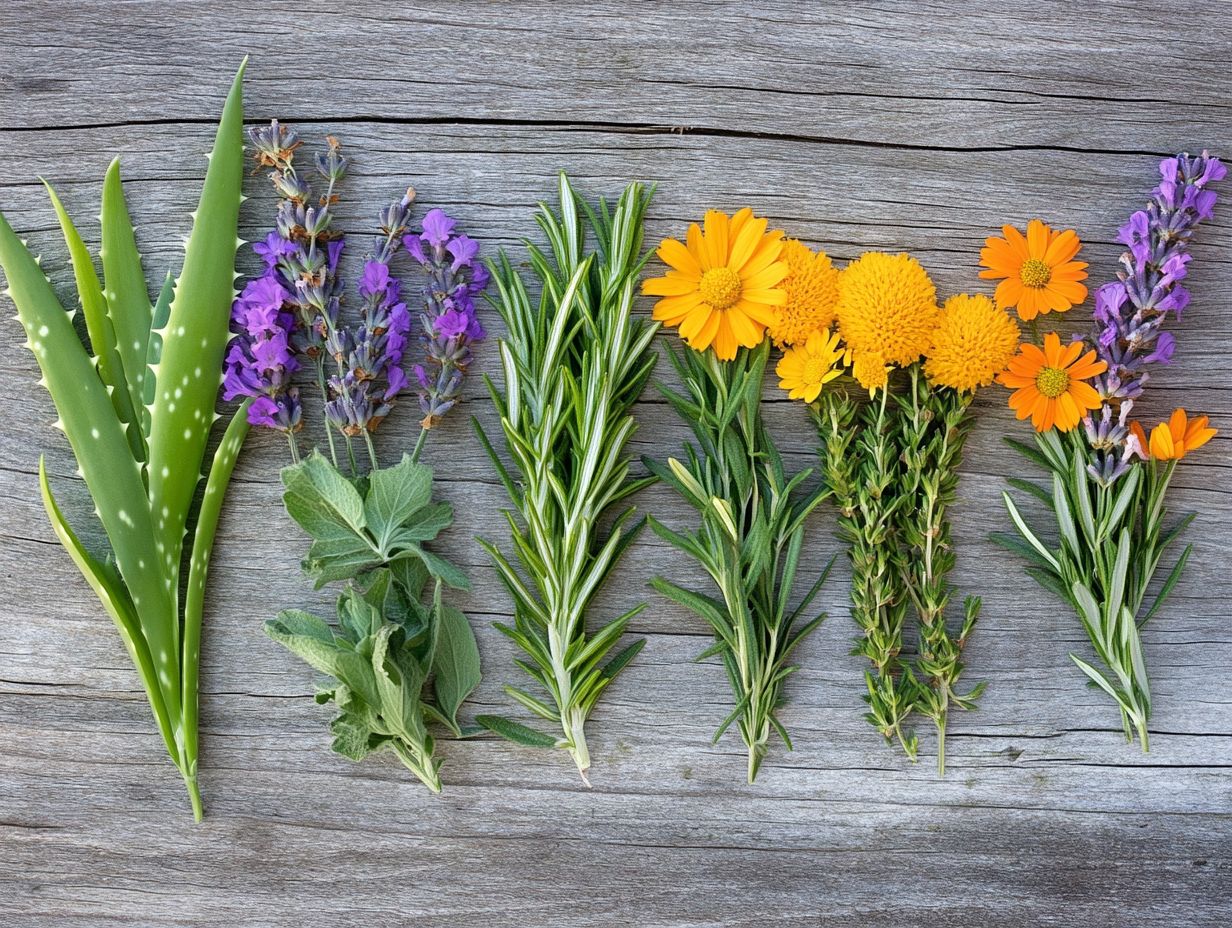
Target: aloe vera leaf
{"x": 128, "y": 300}
{"x": 115, "y": 599}
{"x": 198, "y": 572}
{"x": 194, "y": 338}
{"x": 99, "y": 327}
{"x": 97, "y": 438}
{"x": 154, "y": 351}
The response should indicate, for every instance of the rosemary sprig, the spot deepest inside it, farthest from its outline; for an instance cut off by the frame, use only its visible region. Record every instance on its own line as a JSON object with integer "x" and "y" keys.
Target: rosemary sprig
{"x": 865, "y": 482}
{"x": 935, "y": 422}
{"x": 573, "y": 365}
{"x": 749, "y": 539}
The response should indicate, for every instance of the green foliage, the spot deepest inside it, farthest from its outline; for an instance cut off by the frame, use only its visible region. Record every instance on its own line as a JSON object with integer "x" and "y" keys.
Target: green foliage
{"x": 892, "y": 464}
{"x": 573, "y": 365}
{"x": 933, "y": 426}
{"x": 749, "y": 538}
{"x": 397, "y": 664}
{"x": 381, "y": 654}
{"x": 1110, "y": 545}
{"x": 144, "y": 491}
{"x": 358, "y": 526}
{"x": 861, "y": 465}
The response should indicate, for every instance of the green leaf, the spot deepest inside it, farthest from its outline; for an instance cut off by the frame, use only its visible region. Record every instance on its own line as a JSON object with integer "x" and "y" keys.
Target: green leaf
{"x": 515, "y": 732}
{"x": 455, "y": 667}
{"x": 295, "y": 632}
{"x": 98, "y": 326}
{"x": 394, "y": 493}
{"x": 439, "y": 567}
{"x": 196, "y": 334}
{"x": 352, "y": 737}
{"x": 128, "y": 301}
{"x": 324, "y": 502}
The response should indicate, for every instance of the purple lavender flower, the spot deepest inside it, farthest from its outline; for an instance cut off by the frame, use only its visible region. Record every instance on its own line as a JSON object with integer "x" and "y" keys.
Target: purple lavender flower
{"x": 259, "y": 363}
{"x": 448, "y": 322}
{"x": 369, "y": 355}
{"x": 1130, "y": 312}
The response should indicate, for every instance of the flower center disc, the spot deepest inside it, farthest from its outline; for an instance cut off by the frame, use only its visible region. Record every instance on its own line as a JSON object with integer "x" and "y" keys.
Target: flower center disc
{"x": 814, "y": 370}
{"x": 1035, "y": 273}
{"x": 720, "y": 287}
{"x": 1051, "y": 382}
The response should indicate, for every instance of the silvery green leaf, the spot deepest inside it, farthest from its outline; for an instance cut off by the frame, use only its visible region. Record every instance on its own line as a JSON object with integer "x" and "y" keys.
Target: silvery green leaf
{"x": 394, "y": 493}
{"x": 455, "y": 666}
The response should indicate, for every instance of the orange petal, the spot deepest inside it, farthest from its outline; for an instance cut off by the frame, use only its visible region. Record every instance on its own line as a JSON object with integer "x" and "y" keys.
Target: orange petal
{"x": 717, "y": 226}
{"x": 745, "y": 241}
{"x": 1008, "y": 292}
{"x": 696, "y": 244}
{"x": 1016, "y": 241}
{"x": 674, "y": 254}
{"x": 701, "y": 341}
{"x": 669, "y": 286}
{"x": 1063, "y": 247}
{"x": 1038, "y": 237}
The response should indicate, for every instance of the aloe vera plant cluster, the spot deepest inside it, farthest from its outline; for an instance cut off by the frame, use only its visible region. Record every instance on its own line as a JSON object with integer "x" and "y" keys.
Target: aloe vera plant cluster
{"x": 138, "y": 408}
{"x": 573, "y": 366}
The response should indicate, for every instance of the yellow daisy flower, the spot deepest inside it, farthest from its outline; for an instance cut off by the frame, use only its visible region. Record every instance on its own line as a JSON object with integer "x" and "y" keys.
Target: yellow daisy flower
{"x": 805, "y": 369}
{"x": 887, "y": 312}
{"x": 972, "y": 345}
{"x": 723, "y": 286}
{"x": 812, "y": 292}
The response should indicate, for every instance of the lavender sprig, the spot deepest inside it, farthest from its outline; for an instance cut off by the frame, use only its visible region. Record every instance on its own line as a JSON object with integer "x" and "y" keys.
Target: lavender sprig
{"x": 448, "y": 322}
{"x": 303, "y": 251}
{"x": 1130, "y": 312}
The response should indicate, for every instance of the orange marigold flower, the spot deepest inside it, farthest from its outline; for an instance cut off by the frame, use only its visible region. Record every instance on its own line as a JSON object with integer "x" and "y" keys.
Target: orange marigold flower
{"x": 1172, "y": 440}
{"x": 1049, "y": 383}
{"x": 724, "y": 285}
{"x": 1037, "y": 271}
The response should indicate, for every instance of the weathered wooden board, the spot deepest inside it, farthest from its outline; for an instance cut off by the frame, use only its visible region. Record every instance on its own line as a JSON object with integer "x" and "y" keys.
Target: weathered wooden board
{"x": 916, "y": 126}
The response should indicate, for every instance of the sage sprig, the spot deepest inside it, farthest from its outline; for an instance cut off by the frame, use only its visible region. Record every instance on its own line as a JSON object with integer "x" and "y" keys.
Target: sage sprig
{"x": 137, "y": 406}
{"x": 387, "y": 644}
{"x": 749, "y": 538}
{"x": 573, "y": 365}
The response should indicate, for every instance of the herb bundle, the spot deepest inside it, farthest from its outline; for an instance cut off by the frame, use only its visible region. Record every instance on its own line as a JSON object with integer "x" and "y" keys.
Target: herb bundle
{"x": 137, "y": 407}
{"x": 1108, "y": 481}
{"x": 721, "y": 289}
{"x": 573, "y": 365}
{"x": 749, "y": 539}
{"x": 399, "y": 657}
{"x": 892, "y": 464}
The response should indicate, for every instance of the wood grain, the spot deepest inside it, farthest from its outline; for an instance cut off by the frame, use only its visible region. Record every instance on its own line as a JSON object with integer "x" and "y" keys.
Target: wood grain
{"x": 916, "y": 127}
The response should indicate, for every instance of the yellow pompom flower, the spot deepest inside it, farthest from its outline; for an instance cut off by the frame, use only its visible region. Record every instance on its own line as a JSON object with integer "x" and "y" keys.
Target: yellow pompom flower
{"x": 812, "y": 292}
{"x": 972, "y": 344}
{"x": 805, "y": 369}
{"x": 723, "y": 286}
{"x": 870, "y": 371}
{"x": 887, "y": 312}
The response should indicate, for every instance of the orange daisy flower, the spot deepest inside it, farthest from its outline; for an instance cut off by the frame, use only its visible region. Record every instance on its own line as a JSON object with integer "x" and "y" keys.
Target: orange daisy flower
{"x": 724, "y": 285}
{"x": 1037, "y": 272}
{"x": 1049, "y": 383}
{"x": 1172, "y": 440}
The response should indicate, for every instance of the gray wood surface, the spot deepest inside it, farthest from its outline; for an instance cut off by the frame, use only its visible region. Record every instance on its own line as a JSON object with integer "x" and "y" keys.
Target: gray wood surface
{"x": 917, "y": 126}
